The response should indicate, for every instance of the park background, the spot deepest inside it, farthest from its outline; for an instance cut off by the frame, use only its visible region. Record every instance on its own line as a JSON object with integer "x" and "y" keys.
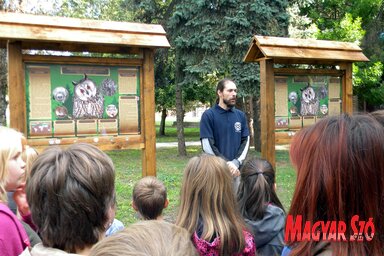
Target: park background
{"x": 170, "y": 170}
{"x": 209, "y": 39}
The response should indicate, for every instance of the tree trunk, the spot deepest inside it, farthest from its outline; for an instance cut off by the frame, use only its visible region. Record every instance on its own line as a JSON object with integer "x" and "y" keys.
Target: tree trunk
{"x": 245, "y": 105}
{"x": 180, "y": 121}
{"x": 162, "y": 122}
{"x": 256, "y": 123}
{"x": 3, "y": 87}
{"x": 179, "y": 109}
{"x": 250, "y": 117}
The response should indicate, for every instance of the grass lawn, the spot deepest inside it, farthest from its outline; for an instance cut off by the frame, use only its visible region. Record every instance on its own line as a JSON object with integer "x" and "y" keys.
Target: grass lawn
{"x": 191, "y": 133}
{"x": 170, "y": 171}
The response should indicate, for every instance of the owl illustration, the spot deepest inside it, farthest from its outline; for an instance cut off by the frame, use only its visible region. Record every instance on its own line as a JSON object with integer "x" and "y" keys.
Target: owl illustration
{"x": 309, "y": 101}
{"x": 88, "y": 103}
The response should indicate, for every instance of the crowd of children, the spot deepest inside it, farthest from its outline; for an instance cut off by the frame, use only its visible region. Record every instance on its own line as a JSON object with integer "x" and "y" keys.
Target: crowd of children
{"x": 64, "y": 200}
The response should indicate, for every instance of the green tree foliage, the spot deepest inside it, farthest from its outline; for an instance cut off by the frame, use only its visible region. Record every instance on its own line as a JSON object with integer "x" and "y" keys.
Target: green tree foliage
{"x": 116, "y": 10}
{"x": 165, "y": 79}
{"x": 368, "y": 82}
{"x": 212, "y": 38}
{"x": 325, "y": 12}
{"x": 197, "y": 30}
{"x": 159, "y": 11}
{"x": 300, "y": 26}
{"x": 153, "y": 11}
{"x": 164, "y": 84}
{"x": 347, "y": 29}
{"x": 249, "y": 18}
{"x": 38, "y": 7}
{"x": 374, "y": 38}
{"x": 25, "y": 6}
{"x": 357, "y": 21}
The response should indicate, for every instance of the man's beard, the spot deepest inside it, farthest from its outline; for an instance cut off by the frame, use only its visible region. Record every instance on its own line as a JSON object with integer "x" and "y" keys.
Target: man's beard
{"x": 229, "y": 103}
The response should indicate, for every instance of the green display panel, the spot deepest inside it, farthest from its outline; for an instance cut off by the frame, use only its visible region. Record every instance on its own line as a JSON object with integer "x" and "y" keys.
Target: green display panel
{"x": 301, "y": 100}
{"x": 82, "y": 100}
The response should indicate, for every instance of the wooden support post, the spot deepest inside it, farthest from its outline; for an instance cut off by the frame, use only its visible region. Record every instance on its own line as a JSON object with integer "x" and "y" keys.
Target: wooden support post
{"x": 267, "y": 111}
{"x": 148, "y": 120}
{"x": 347, "y": 89}
{"x": 16, "y": 88}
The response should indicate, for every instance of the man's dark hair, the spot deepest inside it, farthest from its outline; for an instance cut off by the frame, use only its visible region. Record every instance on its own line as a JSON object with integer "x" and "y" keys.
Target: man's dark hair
{"x": 220, "y": 86}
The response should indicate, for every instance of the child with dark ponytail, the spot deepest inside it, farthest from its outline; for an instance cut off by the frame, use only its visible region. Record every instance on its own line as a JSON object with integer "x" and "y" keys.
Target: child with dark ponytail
{"x": 260, "y": 206}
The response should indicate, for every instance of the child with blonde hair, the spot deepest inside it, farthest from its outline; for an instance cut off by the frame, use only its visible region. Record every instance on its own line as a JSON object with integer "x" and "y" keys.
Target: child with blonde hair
{"x": 208, "y": 209}
{"x": 28, "y": 155}
{"x": 13, "y": 238}
{"x": 19, "y": 197}
{"x": 150, "y": 237}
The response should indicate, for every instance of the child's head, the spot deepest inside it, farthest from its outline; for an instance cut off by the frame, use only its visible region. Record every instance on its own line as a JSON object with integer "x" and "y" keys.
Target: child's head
{"x": 340, "y": 174}
{"x": 12, "y": 167}
{"x": 379, "y": 116}
{"x": 257, "y": 188}
{"x": 206, "y": 187}
{"x": 150, "y": 237}
{"x": 149, "y": 197}
{"x": 71, "y": 193}
{"x": 207, "y": 193}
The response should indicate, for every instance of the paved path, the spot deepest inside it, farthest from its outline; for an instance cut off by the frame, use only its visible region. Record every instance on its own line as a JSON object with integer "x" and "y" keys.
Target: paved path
{"x": 174, "y": 144}
{"x": 197, "y": 143}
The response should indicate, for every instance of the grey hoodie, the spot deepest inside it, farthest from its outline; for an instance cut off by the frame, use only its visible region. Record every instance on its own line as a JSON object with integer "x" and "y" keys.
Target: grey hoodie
{"x": 269, "y": 231}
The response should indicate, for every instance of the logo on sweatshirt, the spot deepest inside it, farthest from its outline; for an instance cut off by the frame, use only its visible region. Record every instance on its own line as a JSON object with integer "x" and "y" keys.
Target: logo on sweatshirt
{"x": 237, "y": 127}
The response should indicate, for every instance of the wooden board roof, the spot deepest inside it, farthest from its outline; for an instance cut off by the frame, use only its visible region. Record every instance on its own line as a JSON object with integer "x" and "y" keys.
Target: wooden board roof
{"x": 300, "y": 51}
{"x": 71, "y": 34}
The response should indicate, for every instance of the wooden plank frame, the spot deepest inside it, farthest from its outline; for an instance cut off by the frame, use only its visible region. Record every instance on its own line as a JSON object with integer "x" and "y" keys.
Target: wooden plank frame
{"x": 134, "y": 42}
{"x": 16, "y": 91}
{"x": 303, "y": 51}
{"x": 267, "y": 104}
{"x": 72, "y": 34}
{"x": 149, "y": 131}
{"x": 268, "y": 51}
